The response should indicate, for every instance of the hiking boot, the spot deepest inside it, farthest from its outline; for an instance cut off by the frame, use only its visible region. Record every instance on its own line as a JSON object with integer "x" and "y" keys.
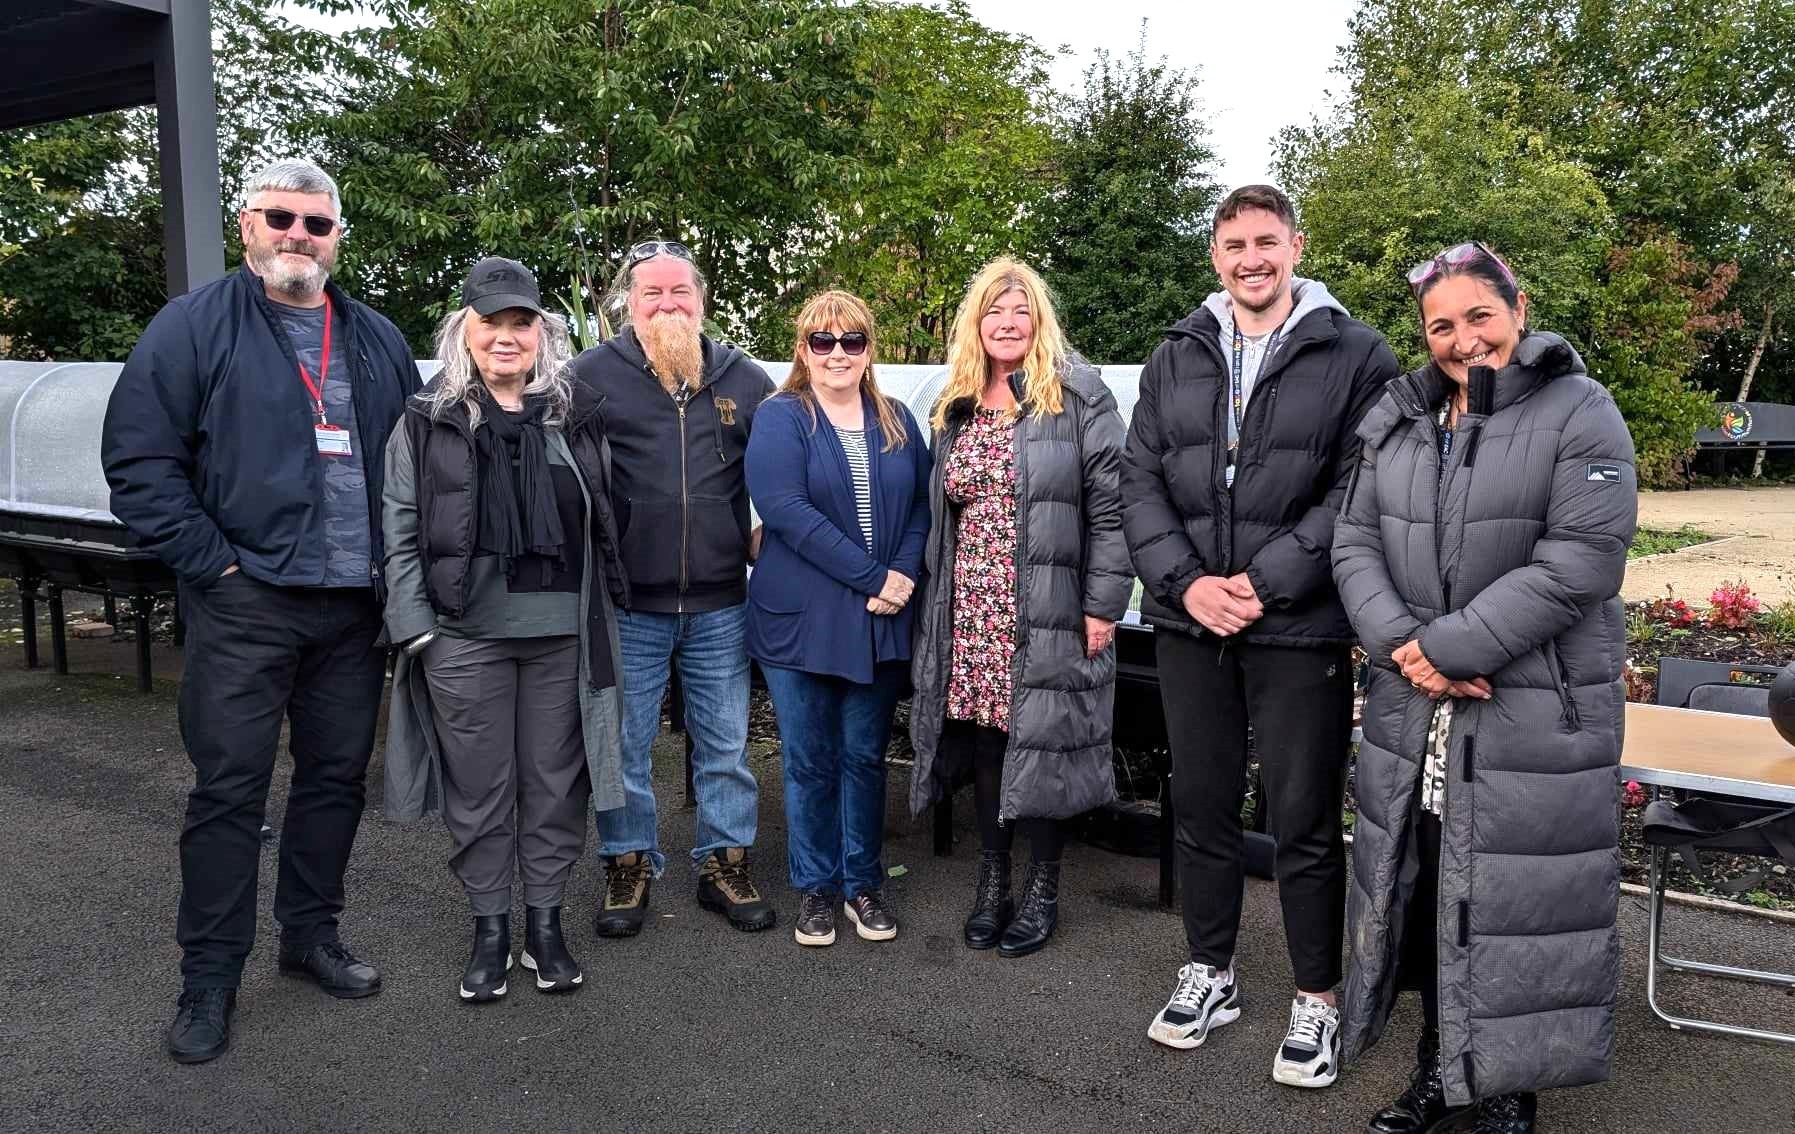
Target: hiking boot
{"x": 992, "y": 908}
{"x": 1205, "y": 998}
{"x": 202, "y": 1025}
{"x": 1038, "y": 914}
{"x": 1500, "y": 1114}
{"x": 627, "y": 879}
{"x": 872, "y": 921}
{"x": 484, "y": 978}
{"x": 545, "y": 952}
{"x": 816, "y": 919}
{"x": 1420, "y": 1108}
{"x": 1310, "y": 1055}
{"x": 724, "y": 886}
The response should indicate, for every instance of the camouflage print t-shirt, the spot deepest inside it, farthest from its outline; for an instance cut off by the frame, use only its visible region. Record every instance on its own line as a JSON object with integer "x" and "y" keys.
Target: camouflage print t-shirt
{"x": 346, "y": 520}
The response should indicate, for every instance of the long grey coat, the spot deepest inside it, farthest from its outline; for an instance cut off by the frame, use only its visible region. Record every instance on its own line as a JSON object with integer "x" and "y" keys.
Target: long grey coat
{"x": 1071, "y": 561}
{"x": 1510, "y": 570}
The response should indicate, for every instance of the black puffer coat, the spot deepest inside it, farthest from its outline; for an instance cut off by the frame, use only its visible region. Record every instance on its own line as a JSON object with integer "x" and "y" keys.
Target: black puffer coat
{"x": 1510, "y": 570}
{"x": 1071, "y": 561}
{"x": 1297, "y": 449}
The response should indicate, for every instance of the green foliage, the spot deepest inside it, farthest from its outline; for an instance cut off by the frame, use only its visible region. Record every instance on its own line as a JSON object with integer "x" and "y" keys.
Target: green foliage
{"x": 1130, "y": 251}
{"x": 1659, "y": 541}
{"x": 1778, "y": 622}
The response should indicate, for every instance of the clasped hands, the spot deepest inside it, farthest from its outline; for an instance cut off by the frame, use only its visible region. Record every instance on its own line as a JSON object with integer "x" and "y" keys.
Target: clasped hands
{"x": 1224, "y": 605}
{"x": 1423, "y": 676}
{"x": 893, "y": 595}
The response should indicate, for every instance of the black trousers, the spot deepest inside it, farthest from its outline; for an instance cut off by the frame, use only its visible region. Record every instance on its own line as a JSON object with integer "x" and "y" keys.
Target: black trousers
{"x": 1418, "y": 965}
{"x": 1299, "y": 703}
{"x": 256, "y": 653}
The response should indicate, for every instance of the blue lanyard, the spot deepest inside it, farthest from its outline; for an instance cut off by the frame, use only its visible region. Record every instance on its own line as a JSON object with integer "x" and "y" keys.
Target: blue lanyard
{"x": 1237, "y": 399}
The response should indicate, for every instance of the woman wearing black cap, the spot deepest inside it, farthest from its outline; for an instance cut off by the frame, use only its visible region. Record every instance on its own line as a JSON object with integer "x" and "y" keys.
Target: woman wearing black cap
{"x": 501, "y": 572}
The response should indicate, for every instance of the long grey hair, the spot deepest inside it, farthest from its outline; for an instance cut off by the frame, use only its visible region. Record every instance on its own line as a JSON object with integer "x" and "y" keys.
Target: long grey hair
{"x": 458, "y": 382}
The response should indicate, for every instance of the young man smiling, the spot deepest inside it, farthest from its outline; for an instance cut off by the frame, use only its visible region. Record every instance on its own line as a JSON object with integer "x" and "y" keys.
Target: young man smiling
{"x": 1238, "y": 456}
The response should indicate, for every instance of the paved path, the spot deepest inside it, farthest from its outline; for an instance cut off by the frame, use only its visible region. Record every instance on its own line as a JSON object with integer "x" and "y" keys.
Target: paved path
{"x": 1756, "y": 542}
{"x": 691, "y": 1026}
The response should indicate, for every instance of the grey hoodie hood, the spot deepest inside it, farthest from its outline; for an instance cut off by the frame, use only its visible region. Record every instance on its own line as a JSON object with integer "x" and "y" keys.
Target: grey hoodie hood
{"x": 1310, "y": 296}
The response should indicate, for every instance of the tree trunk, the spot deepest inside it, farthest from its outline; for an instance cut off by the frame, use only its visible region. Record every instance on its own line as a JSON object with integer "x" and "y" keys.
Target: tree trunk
{"x": 1751, "y": 372}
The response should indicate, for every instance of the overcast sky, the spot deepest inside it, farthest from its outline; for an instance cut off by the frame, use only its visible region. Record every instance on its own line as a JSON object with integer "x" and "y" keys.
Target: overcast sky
{"x": 1263, "y": 66}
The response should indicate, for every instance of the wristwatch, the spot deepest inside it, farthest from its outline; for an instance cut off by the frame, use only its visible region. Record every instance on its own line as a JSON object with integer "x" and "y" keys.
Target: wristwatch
{"x": 416, "y": 646}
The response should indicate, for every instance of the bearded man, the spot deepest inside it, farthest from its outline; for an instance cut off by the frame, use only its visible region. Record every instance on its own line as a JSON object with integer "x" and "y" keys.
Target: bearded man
{"x": 678, "y": 408}
{"x": 243, "y": 444}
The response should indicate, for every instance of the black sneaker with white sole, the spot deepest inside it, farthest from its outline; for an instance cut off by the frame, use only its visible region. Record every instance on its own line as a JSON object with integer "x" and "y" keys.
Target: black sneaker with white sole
{"x": 1310, "y": 1055}
{"x": 1205, "y": 998}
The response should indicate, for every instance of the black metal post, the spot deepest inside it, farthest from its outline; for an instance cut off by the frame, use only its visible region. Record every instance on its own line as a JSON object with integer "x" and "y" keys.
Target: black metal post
{"x": 59, "y": 646}
{"x": 187, "y": 128}
{"x": 28, "y": 613}
{"x": 676, "y": 720}
{"x": 111, "y": 609}
{"x": 1168, "y": 853}
{"x": 140, "y": 610}
{"x": 943, "y": 817}
{"x": 180, "y": 623}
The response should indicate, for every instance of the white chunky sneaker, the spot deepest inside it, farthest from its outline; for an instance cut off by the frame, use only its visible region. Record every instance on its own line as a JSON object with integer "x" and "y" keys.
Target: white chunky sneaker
{"x": 1205, "y": 998}
{"x": 1310, "y": 1056}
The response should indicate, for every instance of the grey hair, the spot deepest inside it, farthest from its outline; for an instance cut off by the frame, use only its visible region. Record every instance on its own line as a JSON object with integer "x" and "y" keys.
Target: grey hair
{"x": 617, "y": 295}
{"x": 458, "y": 382}
{"x": 293, "y": 175}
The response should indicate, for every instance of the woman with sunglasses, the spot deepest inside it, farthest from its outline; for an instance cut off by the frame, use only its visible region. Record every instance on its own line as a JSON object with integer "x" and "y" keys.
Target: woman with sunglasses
{"x": 1480, "y": 554}
{"x": 501, "y": 572}
{"x": 1015, "y": 662}
{"x": 839, "y": 474}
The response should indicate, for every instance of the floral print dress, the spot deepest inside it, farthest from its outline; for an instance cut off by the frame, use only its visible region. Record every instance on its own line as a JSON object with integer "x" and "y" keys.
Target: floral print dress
{"x": 980, "y": 479}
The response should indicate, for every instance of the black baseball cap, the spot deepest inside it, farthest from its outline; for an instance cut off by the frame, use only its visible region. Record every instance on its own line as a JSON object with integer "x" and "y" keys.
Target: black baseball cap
{"x": 496, "y": 284}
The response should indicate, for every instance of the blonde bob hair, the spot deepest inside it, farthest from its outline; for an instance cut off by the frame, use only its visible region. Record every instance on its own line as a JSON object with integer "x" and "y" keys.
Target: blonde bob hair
{"x": 459, "y": 383}
{"x": 967, "y": 364}
{"x": 849, "y": 313}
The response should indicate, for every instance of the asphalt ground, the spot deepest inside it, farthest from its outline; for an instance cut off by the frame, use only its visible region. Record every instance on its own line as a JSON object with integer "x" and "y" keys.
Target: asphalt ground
{"x": 692, "y": 1025}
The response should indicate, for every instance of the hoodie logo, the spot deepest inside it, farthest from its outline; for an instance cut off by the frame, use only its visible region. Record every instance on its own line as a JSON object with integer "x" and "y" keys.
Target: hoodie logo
{"x": 726, "y": 410}
{"x": 1604, "y": 472}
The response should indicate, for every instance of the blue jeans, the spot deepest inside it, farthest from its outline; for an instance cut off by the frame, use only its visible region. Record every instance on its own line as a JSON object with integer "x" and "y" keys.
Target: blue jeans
{"x": 833, "y": 733}
{"x": 713, "y": 668}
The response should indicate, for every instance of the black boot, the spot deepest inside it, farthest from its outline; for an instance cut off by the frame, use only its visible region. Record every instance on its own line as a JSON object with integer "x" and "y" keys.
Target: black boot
{"x": 1420, "y": 1108}
{"x": 1502, "y": 1114}
{"x": 488, "y": 964}
{"x": 1038, "y": 914}
{"x": 545, "y": 952}
{"x": 991, "y": 905}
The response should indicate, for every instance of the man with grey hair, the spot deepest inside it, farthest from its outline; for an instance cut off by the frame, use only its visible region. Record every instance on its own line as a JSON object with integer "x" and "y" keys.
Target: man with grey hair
{"x": 678, "y": 408}
{"x": 244, "y": 444}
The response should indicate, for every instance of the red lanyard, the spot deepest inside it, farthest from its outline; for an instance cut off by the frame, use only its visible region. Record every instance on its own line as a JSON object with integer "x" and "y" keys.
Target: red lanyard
{"x": 316, "y": 389}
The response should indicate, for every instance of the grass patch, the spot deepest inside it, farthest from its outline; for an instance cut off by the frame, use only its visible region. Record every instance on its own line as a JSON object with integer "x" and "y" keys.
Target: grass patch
{"x": 1658, "y": 541}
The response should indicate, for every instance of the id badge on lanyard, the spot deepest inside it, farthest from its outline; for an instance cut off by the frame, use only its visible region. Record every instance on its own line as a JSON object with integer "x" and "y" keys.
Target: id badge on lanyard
{"x": 332, "y": 440}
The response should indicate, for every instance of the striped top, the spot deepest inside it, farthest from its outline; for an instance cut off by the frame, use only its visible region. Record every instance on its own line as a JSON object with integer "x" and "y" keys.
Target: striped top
{"x": 853, "y": 442}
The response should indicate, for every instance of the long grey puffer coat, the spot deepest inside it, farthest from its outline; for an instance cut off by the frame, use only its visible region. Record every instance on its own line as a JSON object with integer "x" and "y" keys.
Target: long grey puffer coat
{"x": 1510, "y": 570}
{"x": 1071, "y": 561}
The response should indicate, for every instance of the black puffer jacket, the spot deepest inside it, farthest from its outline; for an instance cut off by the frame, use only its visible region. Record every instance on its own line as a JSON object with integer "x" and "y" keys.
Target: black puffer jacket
{"x": 1297, "y": 449}
{"x": 1070, "y": 561}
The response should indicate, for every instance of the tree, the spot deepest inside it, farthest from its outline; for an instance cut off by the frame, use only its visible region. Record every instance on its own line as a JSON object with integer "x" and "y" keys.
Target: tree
{"x": 1132, "y": 206}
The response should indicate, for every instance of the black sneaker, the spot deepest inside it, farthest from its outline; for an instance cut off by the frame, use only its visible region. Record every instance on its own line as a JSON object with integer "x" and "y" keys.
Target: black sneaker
{"x": 202, "y": 1024}
{"x": 331, "y": 966}
{"x": 816, "y": 919}
{"x": 627, "y": 881}
{"x": 724, "y": 886}
{"x": 872, "y": 921}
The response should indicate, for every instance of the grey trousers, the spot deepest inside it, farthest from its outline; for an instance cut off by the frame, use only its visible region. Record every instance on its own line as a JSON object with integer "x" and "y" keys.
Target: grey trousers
{"x": 515, "y": 783}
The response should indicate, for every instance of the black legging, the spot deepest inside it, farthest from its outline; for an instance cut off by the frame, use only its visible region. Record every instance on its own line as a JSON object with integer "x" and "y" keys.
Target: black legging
{"x": 1418, "y": 968}
{"x": 963, "y": 743}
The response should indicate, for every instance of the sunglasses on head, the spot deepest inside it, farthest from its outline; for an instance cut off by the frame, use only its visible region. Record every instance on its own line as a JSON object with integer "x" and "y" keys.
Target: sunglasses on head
{"x": 280, "y": 220}
{"x": 822, "y": 342}
{"x": 649, "y": 249}
{"x": 1456, "y": 256}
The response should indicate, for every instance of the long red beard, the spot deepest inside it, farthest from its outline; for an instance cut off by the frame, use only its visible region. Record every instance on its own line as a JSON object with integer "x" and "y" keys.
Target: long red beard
{"x": 671, "y": 342}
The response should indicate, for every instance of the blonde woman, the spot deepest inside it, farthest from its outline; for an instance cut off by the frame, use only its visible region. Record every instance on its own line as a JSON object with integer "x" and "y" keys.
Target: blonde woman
{"x": 1015, "y": 663}
{"x": 501, "y": 571}
{"x": 840, "y": 474}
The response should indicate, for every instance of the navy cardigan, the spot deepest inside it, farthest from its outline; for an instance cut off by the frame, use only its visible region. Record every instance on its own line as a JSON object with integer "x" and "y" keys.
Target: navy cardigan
{"x": 807, "y": 594}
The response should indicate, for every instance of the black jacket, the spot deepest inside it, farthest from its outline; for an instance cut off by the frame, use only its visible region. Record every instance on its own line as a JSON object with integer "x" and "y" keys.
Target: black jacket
{"x": 1297, "y": 450}
{"x": 208, "y": 442}
{"x": 677, "y": 484}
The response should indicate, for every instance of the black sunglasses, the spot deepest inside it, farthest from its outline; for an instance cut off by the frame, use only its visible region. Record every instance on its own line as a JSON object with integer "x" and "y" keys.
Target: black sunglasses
{"x": 853, "y": 343}
{"x": 280, "y": 220}
{"x": 649, "y": 249}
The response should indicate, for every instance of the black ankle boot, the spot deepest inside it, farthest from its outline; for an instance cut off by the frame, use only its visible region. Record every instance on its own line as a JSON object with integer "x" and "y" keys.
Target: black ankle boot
{"x": 1503, "y": 1114}
{"x": 485, "y": 978}
{"x": 1421, "y": 1107}
{"x": 1038, "y": 914}
{"x": 991, "y": 906}
{"x": 546, "y": 953}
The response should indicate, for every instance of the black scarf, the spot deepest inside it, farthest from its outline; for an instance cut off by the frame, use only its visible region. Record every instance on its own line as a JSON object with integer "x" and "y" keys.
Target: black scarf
{"x": 518, "y": 516}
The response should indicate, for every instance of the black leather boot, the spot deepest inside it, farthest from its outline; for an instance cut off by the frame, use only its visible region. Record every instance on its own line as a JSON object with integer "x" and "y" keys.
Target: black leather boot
{"x": 487, "y": 966}
{"x": 1502, "y": 1114}
{"x": 545, "y": 952}
{"x": 991, "y": 905}
{"x": 1420, "y": 1108}
{"x": 1038, "y": 914}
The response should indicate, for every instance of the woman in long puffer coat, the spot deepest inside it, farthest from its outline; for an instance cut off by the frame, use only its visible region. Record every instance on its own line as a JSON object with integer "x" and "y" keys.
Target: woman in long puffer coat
{"x": 1480, "y": 555}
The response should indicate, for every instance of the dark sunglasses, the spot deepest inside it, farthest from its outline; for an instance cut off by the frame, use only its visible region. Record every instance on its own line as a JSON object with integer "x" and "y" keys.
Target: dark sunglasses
{"x": 1456, "y": 256}
{"x": 280, "y": 220}
{"x": 649, "y": 249}
{"x": 822, "y": 342}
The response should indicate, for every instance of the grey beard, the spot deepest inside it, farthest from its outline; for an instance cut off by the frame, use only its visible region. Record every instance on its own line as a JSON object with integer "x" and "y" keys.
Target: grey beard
{"x": 303, "y": 284}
